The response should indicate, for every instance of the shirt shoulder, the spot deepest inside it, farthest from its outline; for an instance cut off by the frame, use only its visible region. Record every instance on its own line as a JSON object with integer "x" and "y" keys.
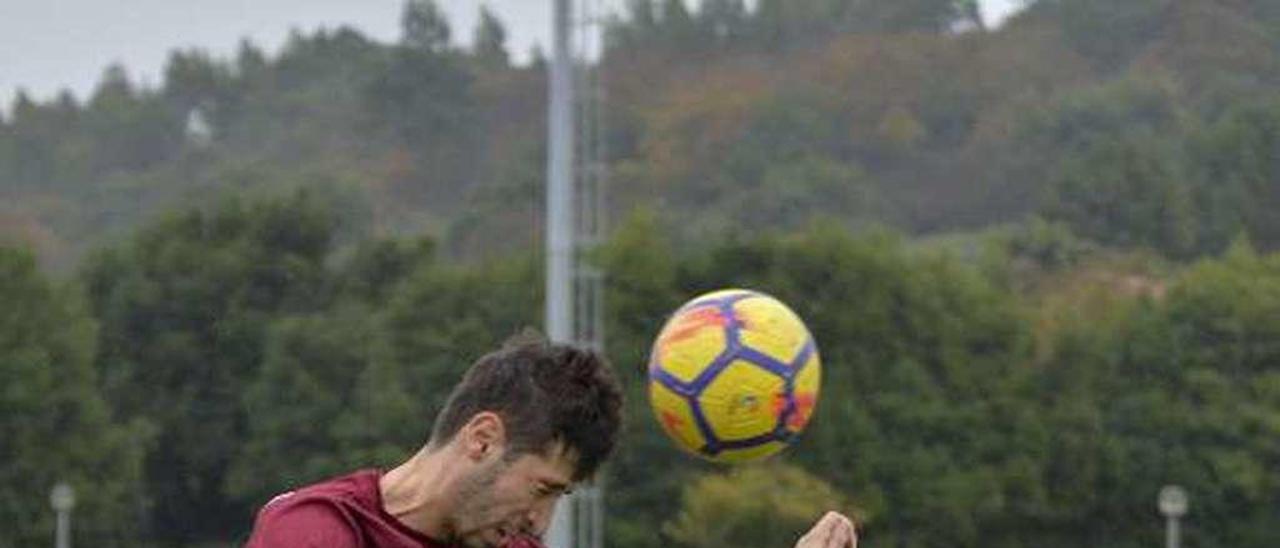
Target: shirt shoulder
{"x": 304, "y": 523}
{"x": 315, "y": 515}
{"x": 343, "y": 512}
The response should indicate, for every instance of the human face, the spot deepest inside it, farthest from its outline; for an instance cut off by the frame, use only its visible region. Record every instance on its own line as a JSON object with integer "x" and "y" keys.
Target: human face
{"x": 506, "y": 498}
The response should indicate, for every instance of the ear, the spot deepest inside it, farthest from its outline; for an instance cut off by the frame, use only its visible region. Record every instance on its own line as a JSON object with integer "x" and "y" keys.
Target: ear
{"x": 483, "y": 436}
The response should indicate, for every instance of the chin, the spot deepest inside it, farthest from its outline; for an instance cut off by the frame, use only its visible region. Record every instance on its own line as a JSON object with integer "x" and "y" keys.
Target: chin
{"x": 491, "y": 538}
{"x": 479, "y": 542}
{"x": 501, "y": 539}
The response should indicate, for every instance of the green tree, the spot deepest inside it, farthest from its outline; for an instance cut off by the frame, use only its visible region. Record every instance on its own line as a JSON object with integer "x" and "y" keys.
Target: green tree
{"x": 1223, "y": 317}
{"x": 377, "y": 267}
{"x": 1145, "y": 391}
{"x": 130, "y": 129}
{"x": 1123, "y": 139}
{"x": 192, "y": 79}
{"x": 295, "y": 403}
{"x": 770, "y": 504}
{"x": 424, "y": 97}
{"x": 250, "y": 61}
{"x": 635, "y": 30}
{"x": 1109, "y": 33}
{"x": 55, "y": 424}
{"x": 490, "y": 40}
{"x": 1237, "y": 174}
{"x": 723, "y": 21}
{"x": 908, "y": 15}
{"x": 327, "y": 398}
{"x": 424, "y": 27}
{"x": 677, "y": 25}
{"x": 426, "y": 103}
{"x": 1130, "y": 195}
{"x": 643, "y": 14}
{"x": 28, "y": 148}
{"x": 184, "y": 309}
{"x": 438, "y": 321}
{"x": 770, "y": 23}
{"x": 641, "y": 269}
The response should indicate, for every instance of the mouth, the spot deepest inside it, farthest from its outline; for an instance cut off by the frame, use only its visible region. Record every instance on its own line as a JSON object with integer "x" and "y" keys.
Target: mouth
{"x": 505, "y": 536}
{"x": 509, "y": 537}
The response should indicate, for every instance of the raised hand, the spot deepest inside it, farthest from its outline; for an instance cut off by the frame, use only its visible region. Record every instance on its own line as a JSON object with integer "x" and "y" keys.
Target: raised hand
{"x": 834, "y": 530}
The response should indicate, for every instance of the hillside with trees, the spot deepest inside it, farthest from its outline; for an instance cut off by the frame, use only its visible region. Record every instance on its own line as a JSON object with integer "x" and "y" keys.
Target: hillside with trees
{"x": 1139, "y": 124}
{"x": 1039, "y": 260}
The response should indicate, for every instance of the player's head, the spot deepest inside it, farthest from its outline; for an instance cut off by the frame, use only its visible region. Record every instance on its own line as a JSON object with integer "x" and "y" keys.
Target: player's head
{"x": 531, "y": 419}
{"x": 547, "y": 395}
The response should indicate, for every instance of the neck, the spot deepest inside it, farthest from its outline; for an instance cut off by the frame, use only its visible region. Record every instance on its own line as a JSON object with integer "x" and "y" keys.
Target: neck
{"x": 418, "y": 493}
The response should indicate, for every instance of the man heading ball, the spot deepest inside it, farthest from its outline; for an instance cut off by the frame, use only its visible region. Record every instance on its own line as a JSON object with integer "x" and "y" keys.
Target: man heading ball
{"x": 524, "y": 425}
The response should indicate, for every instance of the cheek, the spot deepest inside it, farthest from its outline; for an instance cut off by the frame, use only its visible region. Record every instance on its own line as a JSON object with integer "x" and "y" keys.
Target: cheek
{"x": 545, "y": 507}
{"x": 508, "y": 501}
{"x": 484, "y": 510}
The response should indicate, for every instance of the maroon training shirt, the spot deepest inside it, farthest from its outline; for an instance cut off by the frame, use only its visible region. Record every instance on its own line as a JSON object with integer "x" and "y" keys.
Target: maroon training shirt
{"x": 344, "y": 512}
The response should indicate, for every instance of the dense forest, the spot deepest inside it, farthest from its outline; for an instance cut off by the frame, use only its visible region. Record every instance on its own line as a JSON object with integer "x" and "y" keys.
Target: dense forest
{"x": 1039, "y": 259}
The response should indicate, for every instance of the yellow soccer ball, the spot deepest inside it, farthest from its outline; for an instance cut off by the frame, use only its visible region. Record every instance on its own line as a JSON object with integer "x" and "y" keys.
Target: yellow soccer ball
{"x": 734, "y": 376}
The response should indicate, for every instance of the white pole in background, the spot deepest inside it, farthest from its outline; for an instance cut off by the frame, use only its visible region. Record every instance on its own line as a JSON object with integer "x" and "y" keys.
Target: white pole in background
{"x": 560, "y": 221}
{"x": 1172, "y": 502}
{"x": 62, "y": 498}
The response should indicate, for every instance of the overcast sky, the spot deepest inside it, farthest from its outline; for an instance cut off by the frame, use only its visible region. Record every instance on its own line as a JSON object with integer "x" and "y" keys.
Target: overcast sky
{"x": 49, "y": 45}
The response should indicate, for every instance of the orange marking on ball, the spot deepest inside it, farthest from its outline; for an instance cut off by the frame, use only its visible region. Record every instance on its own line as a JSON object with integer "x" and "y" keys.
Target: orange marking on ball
{"x": 805, "y": 401}
{"x": 671, "y": 421}
{"x": 690, "y": 323}
{"x": 779, "y": 404}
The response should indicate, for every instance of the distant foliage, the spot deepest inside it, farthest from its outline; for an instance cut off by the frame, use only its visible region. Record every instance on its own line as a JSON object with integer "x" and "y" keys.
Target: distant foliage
{"x": 967, "y": 400}
{"x": 756, "y": 505}
{"x": 185, "y": 310}
{"x": 490, "y": 40}
{"x": 55, "y": 424}
{"x": 424, "y": 27}
{"x": 910, "y": 113}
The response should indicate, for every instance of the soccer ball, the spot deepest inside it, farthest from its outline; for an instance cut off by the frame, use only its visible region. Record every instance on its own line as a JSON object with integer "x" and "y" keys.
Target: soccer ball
{"x": 734, "y": 376}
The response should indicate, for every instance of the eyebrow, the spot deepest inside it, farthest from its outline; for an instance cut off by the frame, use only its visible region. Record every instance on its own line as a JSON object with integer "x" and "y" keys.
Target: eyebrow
{"x": 555, "y": 485}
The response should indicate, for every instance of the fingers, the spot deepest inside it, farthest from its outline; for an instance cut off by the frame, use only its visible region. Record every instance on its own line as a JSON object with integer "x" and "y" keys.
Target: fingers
{"x": 834, "y": 530}
{"x": 816, "y": 536}
{"x": 843, "y": 534}
{"x": 827, "y": 529}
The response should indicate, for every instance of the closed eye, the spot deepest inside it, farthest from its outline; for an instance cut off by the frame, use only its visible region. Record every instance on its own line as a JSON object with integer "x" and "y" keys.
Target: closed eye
{"x": 548, "y": 490}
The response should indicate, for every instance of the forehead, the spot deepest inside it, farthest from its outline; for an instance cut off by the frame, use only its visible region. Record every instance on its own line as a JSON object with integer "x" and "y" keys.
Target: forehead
{"x": 554, "y": 465}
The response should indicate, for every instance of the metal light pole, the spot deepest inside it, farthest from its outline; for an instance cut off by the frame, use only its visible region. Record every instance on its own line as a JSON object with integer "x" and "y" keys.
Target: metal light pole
{"x": 576, "y": 170}
{"x": 560, "y": 221}
{"x": 560, "y": 146}
{"x": 1172, "y": 503}
{"x": 62, "y": 498}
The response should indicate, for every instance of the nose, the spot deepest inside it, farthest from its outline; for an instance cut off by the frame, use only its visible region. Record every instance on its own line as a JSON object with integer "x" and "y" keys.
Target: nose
{"x": 539, "y": 516}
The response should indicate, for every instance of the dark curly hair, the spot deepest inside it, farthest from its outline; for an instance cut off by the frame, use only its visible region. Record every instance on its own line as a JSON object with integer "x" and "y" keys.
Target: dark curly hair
{"x": 545, "y": 393}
